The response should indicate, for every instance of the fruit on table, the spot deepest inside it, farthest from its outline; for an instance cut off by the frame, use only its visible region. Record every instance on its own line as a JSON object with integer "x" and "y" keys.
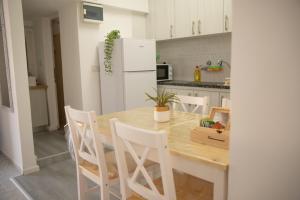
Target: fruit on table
{"x": 218, "y": 125}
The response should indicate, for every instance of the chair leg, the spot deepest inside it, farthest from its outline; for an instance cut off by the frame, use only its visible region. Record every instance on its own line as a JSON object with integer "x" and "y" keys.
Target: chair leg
{"x": 81, "y": 186}
{"x": 104, "y": 190}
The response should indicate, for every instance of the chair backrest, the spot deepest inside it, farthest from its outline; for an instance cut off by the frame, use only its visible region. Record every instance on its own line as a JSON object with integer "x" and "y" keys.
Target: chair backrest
{"x": 226, "y": 103}
{"x": 83, "y": 128}
{"x": 141, "y": 144}
{"x": 196, "y": 101}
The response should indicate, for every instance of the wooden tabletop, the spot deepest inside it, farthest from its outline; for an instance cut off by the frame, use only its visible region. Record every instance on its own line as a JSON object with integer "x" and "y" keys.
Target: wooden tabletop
{"x": 178, "y": 128}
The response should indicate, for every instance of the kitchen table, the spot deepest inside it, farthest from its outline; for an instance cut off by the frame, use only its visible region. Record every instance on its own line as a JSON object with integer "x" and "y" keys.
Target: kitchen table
{"x": 203, "y": 161}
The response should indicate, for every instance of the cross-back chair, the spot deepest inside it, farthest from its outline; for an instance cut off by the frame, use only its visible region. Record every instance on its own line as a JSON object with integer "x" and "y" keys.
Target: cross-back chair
{"x": 92, "y": 161}
{"x": 198, "y": 102}
{"x": 143, "y": 144}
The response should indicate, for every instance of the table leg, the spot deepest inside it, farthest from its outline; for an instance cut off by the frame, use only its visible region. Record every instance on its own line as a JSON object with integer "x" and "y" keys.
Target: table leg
{"x": 219, "y": 177}
{"x": 220, "y": 185}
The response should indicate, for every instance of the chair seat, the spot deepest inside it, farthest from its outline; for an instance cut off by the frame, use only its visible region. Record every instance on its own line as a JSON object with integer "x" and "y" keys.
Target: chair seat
{"x": 187, "y": 188}
{"x": 111, "y": 165}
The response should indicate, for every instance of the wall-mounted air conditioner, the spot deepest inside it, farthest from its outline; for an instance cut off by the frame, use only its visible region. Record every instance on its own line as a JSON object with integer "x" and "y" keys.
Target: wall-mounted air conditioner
{"x": 92, "y": 12}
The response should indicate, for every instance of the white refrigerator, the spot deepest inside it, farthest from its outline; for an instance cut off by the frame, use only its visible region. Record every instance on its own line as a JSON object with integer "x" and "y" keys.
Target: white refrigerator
{"x": 133, "y": 74}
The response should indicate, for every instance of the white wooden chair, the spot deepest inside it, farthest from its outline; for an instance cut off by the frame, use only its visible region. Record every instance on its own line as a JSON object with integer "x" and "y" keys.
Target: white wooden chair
{"x": 142, "y": 144}
{"x": 91, "y": 160}
{"x": 197, "y": 102}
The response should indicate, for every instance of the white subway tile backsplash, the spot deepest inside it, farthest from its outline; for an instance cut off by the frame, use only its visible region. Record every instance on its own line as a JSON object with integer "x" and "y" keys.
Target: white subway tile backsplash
{"x": 185, "y": 54}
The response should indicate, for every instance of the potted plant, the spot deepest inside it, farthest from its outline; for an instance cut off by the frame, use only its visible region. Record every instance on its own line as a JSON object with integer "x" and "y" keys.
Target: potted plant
{"x": 109, "y": 45}
{"x": 161, "y": 109}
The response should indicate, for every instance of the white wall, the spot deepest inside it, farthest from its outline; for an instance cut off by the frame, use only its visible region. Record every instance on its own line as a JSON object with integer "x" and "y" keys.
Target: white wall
{"x": 85, "y": 66}
{"x": 265, "y": 148}
{"x": 30, "y": 50}
{"x": 16, "y": 139}
{"x": 68, "y": 18}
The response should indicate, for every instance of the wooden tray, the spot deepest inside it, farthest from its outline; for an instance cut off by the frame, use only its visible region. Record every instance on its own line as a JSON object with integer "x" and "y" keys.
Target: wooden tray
{"x": 210, "y": 136}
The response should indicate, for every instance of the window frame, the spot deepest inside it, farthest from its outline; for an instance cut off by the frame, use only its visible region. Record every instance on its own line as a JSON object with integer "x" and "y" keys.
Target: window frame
{"x": 6, "y": 58}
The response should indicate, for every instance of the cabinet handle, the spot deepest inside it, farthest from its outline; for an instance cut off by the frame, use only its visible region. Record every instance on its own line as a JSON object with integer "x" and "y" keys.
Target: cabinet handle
{"x": 171, "y": 31}
{"x": 199, "y": 26}
{"x": 193, "y": 28}
{"x": 226, "y": 22}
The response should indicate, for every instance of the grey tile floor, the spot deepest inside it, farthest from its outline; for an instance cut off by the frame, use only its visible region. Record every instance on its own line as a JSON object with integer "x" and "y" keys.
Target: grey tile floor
{"x": 49, "y": 143}
{"x": 8, "y": 190}
{"x": 56, "y": 181}
{"x": 46, "y": 145}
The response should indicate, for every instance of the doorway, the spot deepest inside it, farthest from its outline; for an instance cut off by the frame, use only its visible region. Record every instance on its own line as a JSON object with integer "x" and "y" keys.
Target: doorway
{"x": 58, "y": 74}
{"x": 51, "y": 146}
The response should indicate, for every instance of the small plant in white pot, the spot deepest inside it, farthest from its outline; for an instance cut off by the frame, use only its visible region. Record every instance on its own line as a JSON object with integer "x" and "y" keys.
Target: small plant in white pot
{"x": 161, "y": 109}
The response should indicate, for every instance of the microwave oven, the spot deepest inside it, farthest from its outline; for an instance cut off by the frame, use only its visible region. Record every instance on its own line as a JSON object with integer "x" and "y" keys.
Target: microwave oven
{"x": 164, "y": 72}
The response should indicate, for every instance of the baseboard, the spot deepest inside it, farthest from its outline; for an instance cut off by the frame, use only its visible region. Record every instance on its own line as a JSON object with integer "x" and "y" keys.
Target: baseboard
{"x": 20, "y": 170}
{"x": 30, "y": 170}
{"x": 12, "y": 161}
{"x": 39, "y": 129}
{"x": 52, "y": 127}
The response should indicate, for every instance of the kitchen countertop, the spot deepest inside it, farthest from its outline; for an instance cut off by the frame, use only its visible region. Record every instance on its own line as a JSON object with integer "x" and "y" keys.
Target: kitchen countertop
{"x": 217, "y": 85}
{"x": 38, "y": 87}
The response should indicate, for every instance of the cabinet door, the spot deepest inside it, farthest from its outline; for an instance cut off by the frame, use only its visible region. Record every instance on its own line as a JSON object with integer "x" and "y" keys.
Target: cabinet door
{"x": 197, "y": 13}
{"x": 184, "y": 25}
{"x": 150, "y": 21}
{"x": 227, "y": 15}
{"x": 161, "y": 88}
{"x": 39, "y": 112}
{"x": 212, "y": 12}
{"x": 213, "y": 97}
{"x": 163, "y": 16}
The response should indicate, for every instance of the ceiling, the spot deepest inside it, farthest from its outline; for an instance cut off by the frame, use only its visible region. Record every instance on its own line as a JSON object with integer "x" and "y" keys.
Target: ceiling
{"x": 42, "y": 8}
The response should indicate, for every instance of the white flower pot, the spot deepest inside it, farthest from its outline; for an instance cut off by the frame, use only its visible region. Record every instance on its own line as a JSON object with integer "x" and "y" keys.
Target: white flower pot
{"x": 161, "y": 114}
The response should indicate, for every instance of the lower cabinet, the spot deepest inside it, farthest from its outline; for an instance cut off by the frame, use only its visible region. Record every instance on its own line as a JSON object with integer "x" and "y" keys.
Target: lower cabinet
{"x": 215, "y": 95}
{"x": 39, "y": 110}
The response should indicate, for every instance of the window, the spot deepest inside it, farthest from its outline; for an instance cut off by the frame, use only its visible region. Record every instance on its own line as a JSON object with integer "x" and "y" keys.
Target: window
{"x": 5, "y": 89}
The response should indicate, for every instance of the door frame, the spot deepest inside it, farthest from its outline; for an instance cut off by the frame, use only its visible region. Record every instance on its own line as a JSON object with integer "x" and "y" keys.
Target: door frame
{"x": 48, "y": 57}
{"x": 61, "y": 112}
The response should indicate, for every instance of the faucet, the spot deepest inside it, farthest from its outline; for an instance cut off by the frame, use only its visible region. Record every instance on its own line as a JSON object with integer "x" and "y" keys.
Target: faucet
{"x": 222, "y": 62}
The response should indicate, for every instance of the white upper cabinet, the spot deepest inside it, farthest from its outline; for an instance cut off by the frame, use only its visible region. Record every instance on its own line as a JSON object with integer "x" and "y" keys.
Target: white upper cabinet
{"x": 198, "y": 18}
{"x": 212, "y": 13}
{"x": 163, "y": 16}
{"x": 184, "y": 25}
{"x": 227, "y": 15}
{"x": 185, "y": 18}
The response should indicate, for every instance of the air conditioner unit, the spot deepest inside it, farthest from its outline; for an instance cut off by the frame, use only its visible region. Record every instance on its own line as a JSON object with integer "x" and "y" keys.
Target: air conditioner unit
{"x": 92, "y": 12}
